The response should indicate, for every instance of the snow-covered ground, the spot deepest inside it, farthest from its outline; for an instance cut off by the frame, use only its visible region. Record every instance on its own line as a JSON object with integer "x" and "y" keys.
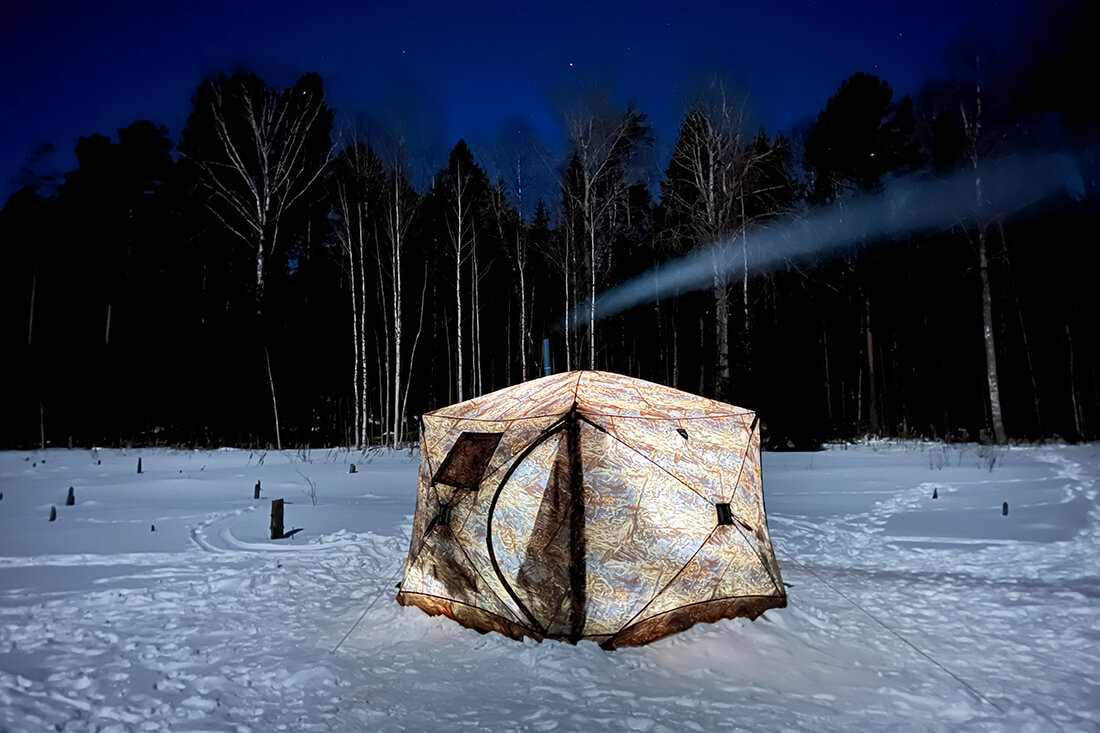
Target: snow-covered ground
{"x": 898, "y": 603}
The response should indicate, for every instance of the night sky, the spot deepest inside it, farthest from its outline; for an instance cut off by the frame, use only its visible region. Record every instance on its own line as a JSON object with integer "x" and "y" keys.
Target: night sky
{"x": 451, "y": 70}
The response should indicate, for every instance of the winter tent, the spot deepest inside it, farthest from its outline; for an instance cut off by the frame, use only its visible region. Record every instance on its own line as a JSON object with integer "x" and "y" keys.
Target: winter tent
{"x": 589, "y": 505}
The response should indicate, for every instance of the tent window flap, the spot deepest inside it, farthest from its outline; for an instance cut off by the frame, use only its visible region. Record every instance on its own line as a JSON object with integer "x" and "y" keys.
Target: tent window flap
{"x": 465, "y": 465}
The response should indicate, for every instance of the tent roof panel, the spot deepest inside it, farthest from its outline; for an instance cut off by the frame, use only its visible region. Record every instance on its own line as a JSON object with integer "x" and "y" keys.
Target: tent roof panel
{"x": 596, "y": 393}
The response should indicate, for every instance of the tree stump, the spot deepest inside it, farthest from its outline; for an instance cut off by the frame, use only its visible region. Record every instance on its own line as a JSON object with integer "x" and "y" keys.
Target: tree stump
{"x": 351, "y": 468}
{"x": 276, "y": 519}
{"x": 70, "y": 500}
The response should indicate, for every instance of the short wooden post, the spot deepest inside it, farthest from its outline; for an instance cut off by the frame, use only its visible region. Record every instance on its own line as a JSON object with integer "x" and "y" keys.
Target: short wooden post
{"x": 276, "y": 519}
{"x": 53, "y": 514}
{"x": 139, "y": 465}
{"x": 256, "y": 491}
{"x": 70, "y": 500}
{"x": 1004, "y": 509}
{"x": 935, "y": 493}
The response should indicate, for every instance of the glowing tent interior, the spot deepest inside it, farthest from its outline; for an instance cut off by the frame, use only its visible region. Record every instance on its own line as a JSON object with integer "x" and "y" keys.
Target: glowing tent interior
{"x": 589, "y": 505}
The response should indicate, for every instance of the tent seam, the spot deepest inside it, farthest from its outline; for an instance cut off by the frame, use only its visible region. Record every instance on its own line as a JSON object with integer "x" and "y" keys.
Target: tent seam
{"x": 688, "y": 486}
{"x": 741, "y": 469}
{"x": 670, "y": 580}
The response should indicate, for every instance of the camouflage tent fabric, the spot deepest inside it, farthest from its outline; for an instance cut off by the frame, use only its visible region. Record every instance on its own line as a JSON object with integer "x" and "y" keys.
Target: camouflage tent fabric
{"x": 589, "y": 505}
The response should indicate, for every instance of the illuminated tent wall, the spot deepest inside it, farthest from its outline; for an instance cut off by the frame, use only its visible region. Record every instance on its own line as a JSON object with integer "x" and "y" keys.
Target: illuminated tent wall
{"x": 589, "y": 505}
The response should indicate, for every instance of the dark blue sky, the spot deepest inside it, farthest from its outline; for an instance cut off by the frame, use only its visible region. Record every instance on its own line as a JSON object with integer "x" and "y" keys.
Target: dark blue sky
{"x": 451, "y": 70}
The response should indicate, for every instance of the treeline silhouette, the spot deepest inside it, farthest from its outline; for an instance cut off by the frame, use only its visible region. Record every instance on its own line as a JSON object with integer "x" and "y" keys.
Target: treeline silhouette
{"x": 249, "y": 284}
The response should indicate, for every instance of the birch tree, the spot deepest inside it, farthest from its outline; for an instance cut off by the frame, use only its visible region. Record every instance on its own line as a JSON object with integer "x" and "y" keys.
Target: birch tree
{"x": 603, "y": 146}
{"x": 258, "y": 152}
{"x": 459, "y": 195}
{"x": 358, "y": 201}
{"x": 514, "y": 161}
{"x": 718, "y": 183}
{"x": 972, "y": 124}
{"x": 513, "y": 237}
{"x": 861, "y": 136}
{"x": 706, "y": 177}
{"x": 400, "y": 202}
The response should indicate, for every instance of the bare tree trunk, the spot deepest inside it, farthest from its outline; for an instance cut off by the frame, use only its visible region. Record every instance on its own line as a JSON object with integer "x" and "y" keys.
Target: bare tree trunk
{"x": 662, "y": 332}
{"x": 508, "y": 360}
{"x": 973, "y": 128}
{"x": 274, "y": 402}
{"x": 1023, "y": 335}
{"x": 859, "y": 399}
{"x": 260, "y": 278}
{"x": 475, "y": 318}
{"x": 450, "y": 366}
{"x": 884, "y": 393}
{"x": 1078, "y": 418}
{"x": 385, "y": 397}
{"x": 675, "y": 351}
{"x": 721, "y": 335}
{"x": 568, "y": 315}
{"x": 458, "y": 241}
{"x": 382, "y": 356}
{"x": 364, "y": 404}
{"x": 523, "y": 339}
{"x": 396, "y": 264}
{"x": 828, "y": 386}
{"x": 30, "y": 315}
{"x": 357, "y": 348}
{"x": 702, "y": 350}
{"x": 349, "y": 244}
{"x": 458, "y": 321}
{"x": 416, "y": 340}
{"x": 999, "y": 434}
{"x": 747, "y": 345}
{"x": 872, "y": 393}
{"x": 592, "y": 295}
{"x": 260, "y": 283}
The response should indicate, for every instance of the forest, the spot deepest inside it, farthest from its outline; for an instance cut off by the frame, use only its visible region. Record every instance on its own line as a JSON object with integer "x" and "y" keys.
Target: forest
{"x": 265, "y": 279}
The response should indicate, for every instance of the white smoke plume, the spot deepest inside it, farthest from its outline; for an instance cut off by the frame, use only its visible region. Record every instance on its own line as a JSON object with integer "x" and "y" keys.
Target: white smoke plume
{"x": 906, "y": 206}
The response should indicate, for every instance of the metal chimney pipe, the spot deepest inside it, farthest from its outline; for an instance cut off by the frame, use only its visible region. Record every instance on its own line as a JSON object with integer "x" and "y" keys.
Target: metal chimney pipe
{"x": 547, "y": 371}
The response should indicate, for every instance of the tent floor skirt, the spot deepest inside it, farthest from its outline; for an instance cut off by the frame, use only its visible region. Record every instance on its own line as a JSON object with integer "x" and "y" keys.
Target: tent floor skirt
{"x": 651, "y": 629}
{"x": 678, "y": 619}
{"x": 469, "y": 616}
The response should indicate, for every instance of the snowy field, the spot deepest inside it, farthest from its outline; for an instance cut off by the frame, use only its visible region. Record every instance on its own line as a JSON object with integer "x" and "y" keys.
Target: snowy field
{"x": 988, "y": 622}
